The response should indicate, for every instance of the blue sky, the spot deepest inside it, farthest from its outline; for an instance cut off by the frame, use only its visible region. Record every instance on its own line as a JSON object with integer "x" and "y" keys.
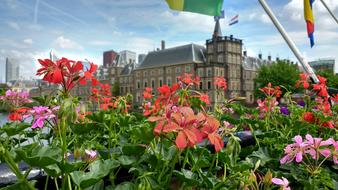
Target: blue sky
{"x": 83, "y": 29}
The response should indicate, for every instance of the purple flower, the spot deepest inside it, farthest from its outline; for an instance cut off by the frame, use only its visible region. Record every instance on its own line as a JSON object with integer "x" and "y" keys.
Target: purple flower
{"x": 285, "y": 111}
{"x": 301, "y": 103}
{"x": 40, "y": 114}
{"x": 284, "y": 183}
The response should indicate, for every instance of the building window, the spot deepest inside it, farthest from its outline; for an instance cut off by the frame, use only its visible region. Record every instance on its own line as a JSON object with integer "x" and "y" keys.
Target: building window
{"x": 220, "y": 58}
{"x": 131, "y": 89}
{"x": 168, "y": 70}
{"x": 200, "y": 72}
{"x": 145, "y": 73}
{"x": 145, "y": 82}
{"x": 160, "y": 71}
{"x": 178, "y": 69}
{"x": 209, "y": 72}
{"x": 138, "y": 85}
{"x": 121, "y": 90}
{"x": 220, "y": 47}
{"x": 201, "y": 85}
{"x": 187, "y": 69}
{"x": 137, "y": 74}
{"x": 160, "y": 82}
{"x": 152, "y": 72}
{"x": 152, "y": 83}
{"x": 210, "y": 48}
{"x": 209, "y": 85}
{"x": 169, "y": 81}
{"x": 126, "y": 89}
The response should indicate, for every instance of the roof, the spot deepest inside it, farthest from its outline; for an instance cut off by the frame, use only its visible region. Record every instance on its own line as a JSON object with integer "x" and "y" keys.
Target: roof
{"x": 190, "y": 53}
{"x": 127, "y": 69}
{"x": 254, "y": 63}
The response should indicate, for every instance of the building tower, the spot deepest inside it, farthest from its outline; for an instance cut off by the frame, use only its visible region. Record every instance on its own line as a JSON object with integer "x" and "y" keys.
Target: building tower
{"x": 12, "y": 70}
{"x": 225, "y": 54}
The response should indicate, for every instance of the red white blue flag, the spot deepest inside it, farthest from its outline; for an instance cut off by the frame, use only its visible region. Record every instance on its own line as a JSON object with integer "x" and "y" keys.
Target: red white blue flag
{"x": 234, "y": 20}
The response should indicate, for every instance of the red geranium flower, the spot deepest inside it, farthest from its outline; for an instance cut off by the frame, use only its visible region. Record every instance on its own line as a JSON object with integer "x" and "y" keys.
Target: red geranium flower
{"x": 320, "y": 88}
{"x": 17, "y": 114}
{"x": 309, "y": 117}
{"x": 303, "y": 81}
{"x": 271, "y": 91}
{"x": 210, "y": 129}
{"x": 221, "y": 83}
{"x": 52, "y": 71}
{"x": 205, "y": 98}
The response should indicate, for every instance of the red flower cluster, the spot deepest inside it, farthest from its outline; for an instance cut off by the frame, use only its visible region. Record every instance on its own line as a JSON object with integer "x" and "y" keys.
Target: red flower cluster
{"x": 190, "y": 128}
{"x": 221, "y": 83}
{"x": 303, "y": 81}
{"x": 188, "y": 79}
{"x": 67, "y": 73}
{"x": 320, "y": 88}
{"x": 271, "y": 91}
{"x": 17, "y": 114}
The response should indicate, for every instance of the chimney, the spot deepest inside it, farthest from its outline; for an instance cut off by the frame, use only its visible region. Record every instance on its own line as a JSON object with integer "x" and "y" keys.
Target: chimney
{"x": 269, "y": 57}
{"x": 260, "y": 56}
{"x": 244, "y": 53}
{"x": 162, "y": 45}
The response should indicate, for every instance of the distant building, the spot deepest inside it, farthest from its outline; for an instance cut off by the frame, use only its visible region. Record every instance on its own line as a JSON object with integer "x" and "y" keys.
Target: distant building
{"x": 110, "y": 58}
{"x": 127, "y": 57}
{"x": 12, "y": 70}
{"x": 323, "y": 65}
{"x": 141, "y": 58}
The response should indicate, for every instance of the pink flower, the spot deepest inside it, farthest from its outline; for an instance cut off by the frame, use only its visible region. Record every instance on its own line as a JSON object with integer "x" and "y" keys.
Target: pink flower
{"x": 335, "y": 151}
{"x": 40, "y": 114}
{"x": 284, "y": 183}
{"x": 90, "y": 155}
{"x": 16, "y": 99}
{"x": 295, "y": 150}
{"x": 315, "y": 145}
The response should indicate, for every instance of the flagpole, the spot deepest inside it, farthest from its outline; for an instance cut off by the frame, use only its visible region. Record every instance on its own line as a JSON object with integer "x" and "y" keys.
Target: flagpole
{"x": 289, "y": 41}
{"x": 329, "y": 10}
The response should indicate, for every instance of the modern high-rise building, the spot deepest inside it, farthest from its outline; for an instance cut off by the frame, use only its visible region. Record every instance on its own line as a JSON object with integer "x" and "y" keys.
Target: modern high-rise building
{"x": 12, "y": 70}
{"x": 323, "y": 64}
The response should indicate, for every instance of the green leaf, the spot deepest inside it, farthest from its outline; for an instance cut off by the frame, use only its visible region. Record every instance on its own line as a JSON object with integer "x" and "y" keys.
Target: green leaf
{"x": 52, "y": 170}
{"x": 14, "y": 128}
{"x": 98, "y": 186}
{"x": 133, "y": 150}
{"x": 97, "y": 170}
{"x": 126, "y": 186}
{"x": 19, "y": 185}
{"x": 126, "y": 160}
{"x": 40, "y": 156}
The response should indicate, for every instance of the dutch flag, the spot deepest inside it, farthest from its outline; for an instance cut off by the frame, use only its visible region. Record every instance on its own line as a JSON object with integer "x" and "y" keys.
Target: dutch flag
{"x": 234, "y": 20}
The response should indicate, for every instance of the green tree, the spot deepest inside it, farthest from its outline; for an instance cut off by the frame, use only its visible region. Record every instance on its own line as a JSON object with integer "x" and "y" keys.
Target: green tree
{"x": 116, "y": 89}
{"x": 278, "y": 74}
{"x": 332, "y": 80}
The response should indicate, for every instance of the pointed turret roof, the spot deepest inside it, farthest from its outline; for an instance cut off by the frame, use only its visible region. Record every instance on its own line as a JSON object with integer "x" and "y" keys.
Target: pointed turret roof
{"x": 217, "y": 30}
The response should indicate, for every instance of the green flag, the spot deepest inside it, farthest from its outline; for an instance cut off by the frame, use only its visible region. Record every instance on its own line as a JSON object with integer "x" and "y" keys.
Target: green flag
{"x": 207, "y": 7}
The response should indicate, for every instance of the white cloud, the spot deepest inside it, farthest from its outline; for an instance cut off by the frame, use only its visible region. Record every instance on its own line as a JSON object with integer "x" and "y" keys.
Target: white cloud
{"x": 66, "y": 43}
{"x": 13, "y": 25}
{"x": 28, "y": 41}
{"x": 100, "y": 42}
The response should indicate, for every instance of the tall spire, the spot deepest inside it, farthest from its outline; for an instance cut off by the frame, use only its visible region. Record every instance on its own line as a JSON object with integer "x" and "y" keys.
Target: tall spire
{"x": 217, "y": 30}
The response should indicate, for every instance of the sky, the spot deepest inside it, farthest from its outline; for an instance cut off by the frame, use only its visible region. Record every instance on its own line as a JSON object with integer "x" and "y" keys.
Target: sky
{"x": 83, "y": 29}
